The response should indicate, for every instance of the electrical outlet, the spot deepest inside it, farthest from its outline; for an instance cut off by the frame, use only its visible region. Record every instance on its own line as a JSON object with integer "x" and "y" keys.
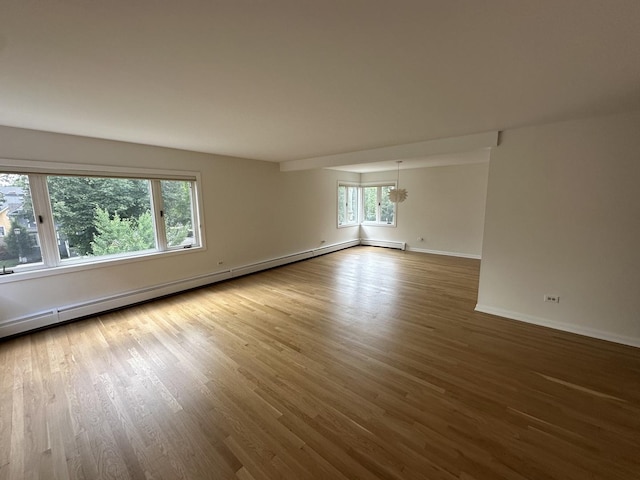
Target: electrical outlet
{"x": 552, "y": 298}
{"x": 421, "y": 239}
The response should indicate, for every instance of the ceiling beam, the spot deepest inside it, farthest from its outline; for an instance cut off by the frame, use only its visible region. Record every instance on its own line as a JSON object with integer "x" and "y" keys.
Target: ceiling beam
{"x": 397, "y": 152}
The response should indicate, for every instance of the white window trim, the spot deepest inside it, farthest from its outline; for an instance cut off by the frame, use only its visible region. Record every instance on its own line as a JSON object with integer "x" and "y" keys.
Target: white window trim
{"x": 358, "y": 206}
{"x": 38, "y": 171}
{"x": 390, "y": 183}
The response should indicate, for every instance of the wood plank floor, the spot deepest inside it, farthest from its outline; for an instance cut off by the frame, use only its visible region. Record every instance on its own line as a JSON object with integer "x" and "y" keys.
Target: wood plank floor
{"x": 366, "y": 363}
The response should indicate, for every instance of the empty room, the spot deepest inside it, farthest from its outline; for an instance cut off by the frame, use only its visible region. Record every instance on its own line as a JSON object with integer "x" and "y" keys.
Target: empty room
{"x": 320, "y": 240}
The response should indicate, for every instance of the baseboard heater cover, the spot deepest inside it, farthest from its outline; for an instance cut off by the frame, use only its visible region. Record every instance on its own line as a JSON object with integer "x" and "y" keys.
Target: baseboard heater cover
{"x": 95, "y": 306}
{"x": 442, "y": 252}
{"x": 383, "y": 243}
{"x": 113, "y": 302}
{"x": 28, "y": 322}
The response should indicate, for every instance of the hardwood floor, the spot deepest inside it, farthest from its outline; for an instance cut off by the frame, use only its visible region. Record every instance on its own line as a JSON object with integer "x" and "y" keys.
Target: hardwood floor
{"x": 366, "y": 363}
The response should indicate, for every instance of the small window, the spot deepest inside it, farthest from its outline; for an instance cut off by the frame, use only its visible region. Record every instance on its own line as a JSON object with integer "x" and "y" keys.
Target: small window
{"x": 1, "y": 231}
{"x": 347, "y": 205}
{"x": 178, "y": 208}
{"x": 20, "y": 243}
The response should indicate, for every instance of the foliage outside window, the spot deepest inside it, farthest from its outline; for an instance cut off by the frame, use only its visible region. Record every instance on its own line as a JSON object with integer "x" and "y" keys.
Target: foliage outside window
{"x": 347, "y": 205}
{"x": 54, "y": 219}
{"x": 377, "y": 208}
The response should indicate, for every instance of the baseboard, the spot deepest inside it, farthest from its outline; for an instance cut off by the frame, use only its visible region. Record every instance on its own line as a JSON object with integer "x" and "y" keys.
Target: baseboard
{"x": 442, "y": 252}
{"x": 565, "y": 327}
{"x": 383, "y": 243}
{"x": 335, "y": 247}
{"x": 272, "y": 263}
{"x": 28, "y": 322}
{"x": 296, "y": 257}
{"x": 92, "y": 307}
{"x": 98, "y": 305}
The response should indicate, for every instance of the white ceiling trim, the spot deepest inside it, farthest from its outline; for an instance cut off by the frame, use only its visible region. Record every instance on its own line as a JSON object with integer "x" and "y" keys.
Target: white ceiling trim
{"x": 442, "y": 146}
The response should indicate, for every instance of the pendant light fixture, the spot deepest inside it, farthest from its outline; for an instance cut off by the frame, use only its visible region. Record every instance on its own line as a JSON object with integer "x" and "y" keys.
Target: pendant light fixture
{"x": 398, "y": 195}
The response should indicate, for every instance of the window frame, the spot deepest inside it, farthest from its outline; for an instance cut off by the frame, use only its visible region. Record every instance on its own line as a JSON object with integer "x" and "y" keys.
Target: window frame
{"x": 357, "y": 208}
{"x": 52, "y": 264}
{"x": 378, "y": 221}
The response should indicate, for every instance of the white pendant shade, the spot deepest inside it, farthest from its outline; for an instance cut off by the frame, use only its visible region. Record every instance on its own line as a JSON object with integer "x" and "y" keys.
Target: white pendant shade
{"x": 398, "y": 195}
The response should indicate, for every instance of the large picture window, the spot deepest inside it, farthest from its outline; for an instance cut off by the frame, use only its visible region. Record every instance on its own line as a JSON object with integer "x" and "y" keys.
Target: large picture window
{"x": 51, "y": 220}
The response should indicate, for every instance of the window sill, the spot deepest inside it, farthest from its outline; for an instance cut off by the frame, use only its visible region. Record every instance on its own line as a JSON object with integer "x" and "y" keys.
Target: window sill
{"x": 386, "y": 225}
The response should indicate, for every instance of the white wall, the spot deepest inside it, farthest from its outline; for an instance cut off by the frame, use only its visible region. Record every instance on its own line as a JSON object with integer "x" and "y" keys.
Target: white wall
{"x": 563, "y": 218}
{"x": 252, "y": 212}
{"x": 445, "y": 207}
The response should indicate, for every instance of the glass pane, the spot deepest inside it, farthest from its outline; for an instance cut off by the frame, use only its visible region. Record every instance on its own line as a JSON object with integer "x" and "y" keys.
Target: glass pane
{"x": 178, "y": 212}
{"x": 352, "y": 205}
{"x": 101, "y": 216}
{"x": 19, "y": 241}
{"x": 387, "y": 207}
{"x": 342, "y": 204}
{"x": 370, "y": 203}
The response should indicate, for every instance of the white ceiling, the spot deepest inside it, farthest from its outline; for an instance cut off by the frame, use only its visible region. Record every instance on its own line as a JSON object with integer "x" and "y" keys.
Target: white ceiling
{"x": 283, "y": 80}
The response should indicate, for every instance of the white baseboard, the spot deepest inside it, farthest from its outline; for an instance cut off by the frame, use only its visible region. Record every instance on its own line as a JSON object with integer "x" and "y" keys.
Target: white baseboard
{"x": 383, "y": 243}
{"x": 565, "y": 327}
{"x": 98, "y": 305}
{"x": 28, "y": 322}
{"x": 92, "y": 307}
{"x": 267, "y": 264}
{"x": 335, "y": 247}
{"x": 442, "y": 252}
{"x": 296, "y": 257}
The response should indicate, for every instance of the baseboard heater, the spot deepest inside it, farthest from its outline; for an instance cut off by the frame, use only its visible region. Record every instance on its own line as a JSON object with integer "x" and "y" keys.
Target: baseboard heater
{"x": 383, "y": 243}
{"x": 99, "y": 305}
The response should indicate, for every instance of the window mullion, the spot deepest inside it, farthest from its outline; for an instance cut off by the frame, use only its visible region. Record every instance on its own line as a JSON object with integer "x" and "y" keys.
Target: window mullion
{"x": 159, "y": 223}
{"x": 44, "y": 220}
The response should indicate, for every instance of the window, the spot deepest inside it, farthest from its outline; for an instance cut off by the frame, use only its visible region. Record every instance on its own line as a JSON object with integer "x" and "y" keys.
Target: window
{"x": 96, "y": 216}
{"x": 377, "y": 208}
{"x": 177, "y": 200}
{"x": 1, "y": 230}
{"x": 347, "y": 205}
{"x": 20, "y": 244}
{"x": 366, "y": 204}
{"x": 58, "y": 219}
